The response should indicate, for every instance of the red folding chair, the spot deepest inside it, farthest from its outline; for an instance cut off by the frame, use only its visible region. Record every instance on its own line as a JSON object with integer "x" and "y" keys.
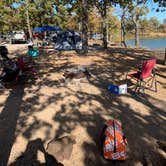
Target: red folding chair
{"x": 26, "y": 67}
{"x": 145, "y": 76}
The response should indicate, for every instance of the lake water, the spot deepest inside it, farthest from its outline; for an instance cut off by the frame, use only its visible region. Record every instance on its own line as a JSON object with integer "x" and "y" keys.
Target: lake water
{"x": 153, "y": 44}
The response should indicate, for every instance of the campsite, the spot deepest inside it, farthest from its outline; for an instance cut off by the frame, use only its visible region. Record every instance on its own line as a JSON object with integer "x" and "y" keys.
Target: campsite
{"x": 48, "y": 107}
{"x": 74, "y": 93}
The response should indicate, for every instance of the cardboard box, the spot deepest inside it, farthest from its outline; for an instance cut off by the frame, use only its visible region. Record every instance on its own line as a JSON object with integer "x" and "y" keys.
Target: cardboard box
{"x": 117, "y": 88}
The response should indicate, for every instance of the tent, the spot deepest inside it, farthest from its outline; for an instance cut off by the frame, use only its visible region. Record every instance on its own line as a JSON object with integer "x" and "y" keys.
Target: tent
{"x": 45, "y": 28}
{"x": 68, "y": 40}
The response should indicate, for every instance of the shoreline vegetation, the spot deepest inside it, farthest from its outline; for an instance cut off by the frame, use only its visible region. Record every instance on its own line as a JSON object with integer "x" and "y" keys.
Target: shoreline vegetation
{"x": 117, "y": 38}
{"x": 117, "y": 41}
{"x": 148, "y": 35}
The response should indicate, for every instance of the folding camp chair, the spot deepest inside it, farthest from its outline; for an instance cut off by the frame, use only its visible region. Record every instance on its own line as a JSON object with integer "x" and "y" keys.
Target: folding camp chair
{"x": 25, "y": 67}
{"x": 145, "y": 76}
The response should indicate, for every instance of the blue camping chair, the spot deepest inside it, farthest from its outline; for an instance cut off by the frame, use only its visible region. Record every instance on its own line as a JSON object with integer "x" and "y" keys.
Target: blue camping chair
{"x": 33, "y": 52}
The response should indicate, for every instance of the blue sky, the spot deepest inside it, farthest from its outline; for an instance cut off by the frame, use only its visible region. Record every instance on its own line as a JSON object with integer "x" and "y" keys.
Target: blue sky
{"x": 152, "y": 13}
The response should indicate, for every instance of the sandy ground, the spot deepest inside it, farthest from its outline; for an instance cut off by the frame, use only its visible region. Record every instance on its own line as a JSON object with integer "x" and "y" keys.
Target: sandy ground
{"x": 47, "y": 107}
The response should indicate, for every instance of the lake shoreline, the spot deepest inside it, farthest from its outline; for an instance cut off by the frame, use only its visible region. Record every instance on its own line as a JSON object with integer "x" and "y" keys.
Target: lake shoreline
{"x": 147, "y": 36}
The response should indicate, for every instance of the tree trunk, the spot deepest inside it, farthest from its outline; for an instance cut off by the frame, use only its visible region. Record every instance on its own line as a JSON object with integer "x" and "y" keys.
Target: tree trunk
{"x": 84, "y": 26}
{"x": 79, "y": 27}
{"x": 123, "y": 36}
{"x": 136, "y": 24}
{"x": 123, "y": 32}
{"x": 108, "y": 39}
{"x": 104, "y": 27}
{"x": 29, "y": 27}
{"x": 91, "y": 34}
{"x": 136, "y": 34}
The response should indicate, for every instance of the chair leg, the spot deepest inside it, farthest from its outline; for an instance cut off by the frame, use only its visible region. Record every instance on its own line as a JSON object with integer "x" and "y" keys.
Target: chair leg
{"x": 141, "y": 87}
{"x": 152, "y": 83}
{"x": 126, "y": 79}
{"x": 155, "y": 84}
{"x": 137, "y": 85}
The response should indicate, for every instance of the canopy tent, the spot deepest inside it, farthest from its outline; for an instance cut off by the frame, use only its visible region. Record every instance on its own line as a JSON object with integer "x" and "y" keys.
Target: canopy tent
{"x": 45, "y": 28}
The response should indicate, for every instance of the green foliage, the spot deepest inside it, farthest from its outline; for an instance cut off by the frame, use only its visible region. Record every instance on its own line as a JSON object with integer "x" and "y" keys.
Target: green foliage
{"x": 68, "y": 15}
{"x": 155, "y": 23}
{"x": 164, "y": 21}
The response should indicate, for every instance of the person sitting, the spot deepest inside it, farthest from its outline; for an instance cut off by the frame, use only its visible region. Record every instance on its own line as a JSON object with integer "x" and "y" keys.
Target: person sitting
{"x": 4, "y": 53}
{"x": 10, "y": 69}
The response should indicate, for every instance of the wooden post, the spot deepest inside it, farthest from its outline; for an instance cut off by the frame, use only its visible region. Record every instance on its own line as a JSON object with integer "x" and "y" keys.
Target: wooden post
{"x": 164, "y": 63}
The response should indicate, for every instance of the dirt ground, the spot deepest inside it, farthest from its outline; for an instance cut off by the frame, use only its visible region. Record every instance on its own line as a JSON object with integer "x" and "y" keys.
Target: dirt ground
{"x": 47, "y": 107}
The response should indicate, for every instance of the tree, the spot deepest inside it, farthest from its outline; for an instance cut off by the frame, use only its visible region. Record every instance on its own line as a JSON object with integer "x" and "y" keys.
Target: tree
{"x": 155, "y": 23}
{"x": 84, "y": 14}
{"x": 162, "y": 28}
{"x": 94, "y": 21}
{"x": 9, "y": 16}
{"x": 164, "y": 21}
{"x": 144, "y": 25}
{"x": 72, "y": 22}
{"x": 123, "y": 25}
{"x": 136, "y": 13}
{"x": 80, "y": 8}
{"x": 113, "y": 26}
{"x": 102, "y": 6}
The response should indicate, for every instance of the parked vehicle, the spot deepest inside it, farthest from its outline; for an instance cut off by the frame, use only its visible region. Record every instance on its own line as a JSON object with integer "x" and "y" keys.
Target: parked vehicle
{"x": 18, "y": 36}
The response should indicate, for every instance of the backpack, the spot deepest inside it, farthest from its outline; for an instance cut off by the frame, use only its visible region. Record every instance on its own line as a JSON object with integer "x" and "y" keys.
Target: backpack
{"x": 114, "y": 141}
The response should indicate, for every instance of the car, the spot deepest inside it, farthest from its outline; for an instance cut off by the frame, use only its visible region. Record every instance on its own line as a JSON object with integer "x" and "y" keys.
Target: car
{"x": 18, "y": 36}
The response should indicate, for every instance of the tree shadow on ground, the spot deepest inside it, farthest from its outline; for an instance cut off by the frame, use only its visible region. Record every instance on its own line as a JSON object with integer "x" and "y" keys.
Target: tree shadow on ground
{"x": 141, "y": 130}
{"x": 88, "y": 106}
{"x": 8, "y": 121}
{"x": 16, "y": 110}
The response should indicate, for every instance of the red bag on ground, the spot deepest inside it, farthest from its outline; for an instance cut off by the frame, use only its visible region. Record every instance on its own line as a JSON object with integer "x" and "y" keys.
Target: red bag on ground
{"x": 114, "y": 146}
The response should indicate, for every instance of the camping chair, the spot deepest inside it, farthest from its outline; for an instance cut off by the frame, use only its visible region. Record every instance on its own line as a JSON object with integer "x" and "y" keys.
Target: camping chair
{"x": 33, "y": 52}
{"x": 25, "y": 67}
{"x": 145, "y": 75}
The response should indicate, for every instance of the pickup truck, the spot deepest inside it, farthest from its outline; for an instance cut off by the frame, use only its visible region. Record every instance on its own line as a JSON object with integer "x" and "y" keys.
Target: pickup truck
{"x": 18, "y": 36}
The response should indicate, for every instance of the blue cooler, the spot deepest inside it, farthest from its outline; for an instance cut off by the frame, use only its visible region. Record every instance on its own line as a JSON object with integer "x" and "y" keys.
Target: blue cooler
{"x": 117, "y": 88}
